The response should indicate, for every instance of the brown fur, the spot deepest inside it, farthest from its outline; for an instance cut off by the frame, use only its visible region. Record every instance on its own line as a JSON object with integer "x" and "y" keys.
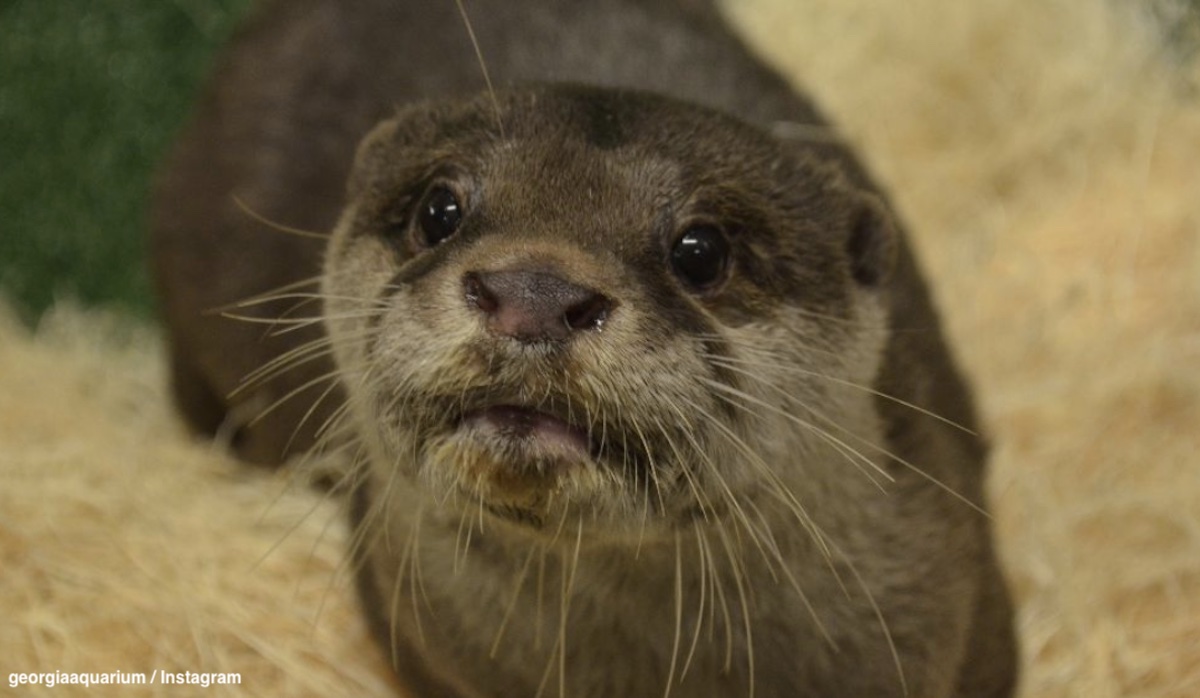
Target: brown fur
{"x": 792, "y": 480}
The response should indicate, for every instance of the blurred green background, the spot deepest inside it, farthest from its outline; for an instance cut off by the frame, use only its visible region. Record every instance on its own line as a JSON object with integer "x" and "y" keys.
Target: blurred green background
{"x": 91, "y": 94}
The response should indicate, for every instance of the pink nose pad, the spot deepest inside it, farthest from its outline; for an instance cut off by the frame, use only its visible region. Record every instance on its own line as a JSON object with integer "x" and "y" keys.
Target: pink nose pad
{"x": 531, "y": 306}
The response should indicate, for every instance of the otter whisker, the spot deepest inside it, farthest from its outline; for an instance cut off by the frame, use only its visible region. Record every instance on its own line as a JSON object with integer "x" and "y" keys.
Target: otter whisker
{"x": 245, "y": 208}
{"x": 512, "y": 604}
{"x": 328, "y": 376}
{"x": 320, "y": 431}
{"x": 460, "y": 546}
{"x": 291, "y": 529}
{"x": 760, "y": 536}
{"x": 288, "y": 292}
{"x": 718, "y": 597}
{"x": 678, "y": 616}
{"x": 418, "y": 585}
{"x": 653, "y": 483}
{"x": 884, "y": 451}
{"x": 334, "y": 423}
{"x": 730, "y": 497}
{"x": 739, "y": 516}
{"x": 364, "y": 533}
{"x": 791, "y": 368}
{"x": 541, "y": 585}
{"x": 703, "y": 565}
{"x": 288, "y": 325}
{"x": 809, "y": 346}
{"x": 390, "y": 486}
{"x": 306, "y": 353}
{"x": 405, "y": 572}
{"x": 557, "y": 655}
{"x": 698, "y": 619}
{"x": 739, "y": 581}
{"x": 790, "y": 576}
{"x": 487, "y": 79}
{"x": 755, "y": 460}
{"x": 564, "y": 614}
{"x": 706, "y": 504}
{"x": 856, "y": 457}
{"x": 269, "y": 296}
{"x": 341, "y": 570}
{"x": 887, "y": 633}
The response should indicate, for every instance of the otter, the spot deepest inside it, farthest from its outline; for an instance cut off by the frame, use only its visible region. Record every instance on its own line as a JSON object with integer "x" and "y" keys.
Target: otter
{"x": 640, "y": 387}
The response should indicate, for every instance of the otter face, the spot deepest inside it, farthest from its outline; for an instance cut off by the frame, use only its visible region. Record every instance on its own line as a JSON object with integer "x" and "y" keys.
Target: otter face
{"x": 596, "y": 305}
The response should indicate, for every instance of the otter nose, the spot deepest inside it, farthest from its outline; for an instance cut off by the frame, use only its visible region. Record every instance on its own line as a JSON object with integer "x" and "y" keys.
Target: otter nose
{"x": 532, "y": 306}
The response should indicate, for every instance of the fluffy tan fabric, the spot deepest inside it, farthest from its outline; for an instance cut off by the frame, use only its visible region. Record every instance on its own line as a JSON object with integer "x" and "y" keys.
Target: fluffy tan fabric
{"x": 126, "y": 546}
{"x": 1045, "y": 154}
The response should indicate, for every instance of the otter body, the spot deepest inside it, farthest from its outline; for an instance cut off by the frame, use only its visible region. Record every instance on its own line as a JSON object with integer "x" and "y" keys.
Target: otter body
{"x": 646, "y": 400}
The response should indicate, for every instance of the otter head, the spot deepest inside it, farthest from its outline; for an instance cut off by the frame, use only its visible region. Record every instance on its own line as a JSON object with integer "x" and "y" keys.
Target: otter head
{"x": 601, "y": 306}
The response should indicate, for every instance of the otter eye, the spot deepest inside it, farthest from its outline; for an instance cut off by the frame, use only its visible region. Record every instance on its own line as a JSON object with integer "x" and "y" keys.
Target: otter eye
{"x": 700, "y": 256}
{"x": 440, "y": 216}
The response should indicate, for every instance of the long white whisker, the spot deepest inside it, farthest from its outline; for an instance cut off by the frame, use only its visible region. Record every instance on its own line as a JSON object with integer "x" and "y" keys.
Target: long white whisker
{"x": 277, "y": 226}
{"x": 857, "y": 459}
{"x": 887, "y": 633}
{"x": 737, "y": 566}
{"x": 790, "y": 367}
{"x": 487, "y": 79}
{"x": 678, "y": 616}
{"x": 512, "y": 604}
{"x": 894, "y": 456}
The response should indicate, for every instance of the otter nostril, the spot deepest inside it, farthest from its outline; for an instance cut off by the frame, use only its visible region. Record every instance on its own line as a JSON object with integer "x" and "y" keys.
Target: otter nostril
{"x": 478, "y": 294}
{"x": 589, "y": 314}
{"x": 534, "y": 306}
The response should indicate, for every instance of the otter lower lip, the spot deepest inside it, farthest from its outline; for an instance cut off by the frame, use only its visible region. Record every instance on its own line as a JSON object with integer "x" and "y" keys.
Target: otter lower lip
{"x": 517, "y": 422}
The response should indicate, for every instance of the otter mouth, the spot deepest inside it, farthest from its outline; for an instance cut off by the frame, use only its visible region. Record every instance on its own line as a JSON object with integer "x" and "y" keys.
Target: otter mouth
{"x": 530, "y": 458}
{"x": 555, "y": 432}
{"x": 539, "y": 430}
{"x": 512, "y": 458}
{"x": 522, "y": 456}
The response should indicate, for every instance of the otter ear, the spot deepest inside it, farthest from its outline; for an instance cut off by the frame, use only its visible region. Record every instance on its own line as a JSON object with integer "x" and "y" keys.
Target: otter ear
{"x": 871, "y": 243}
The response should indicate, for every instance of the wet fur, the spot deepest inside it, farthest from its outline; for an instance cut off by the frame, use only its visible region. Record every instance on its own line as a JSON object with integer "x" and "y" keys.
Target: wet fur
{"x": 795, "y": 508}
